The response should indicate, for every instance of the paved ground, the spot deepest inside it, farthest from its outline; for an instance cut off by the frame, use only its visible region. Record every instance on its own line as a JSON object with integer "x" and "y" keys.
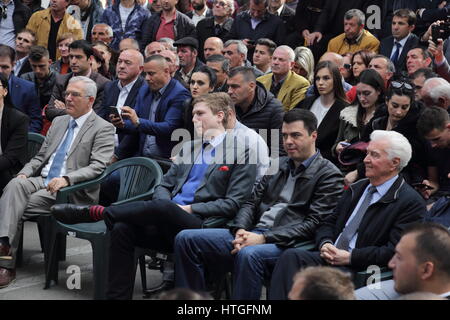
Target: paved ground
{"x": 30, "y": 278}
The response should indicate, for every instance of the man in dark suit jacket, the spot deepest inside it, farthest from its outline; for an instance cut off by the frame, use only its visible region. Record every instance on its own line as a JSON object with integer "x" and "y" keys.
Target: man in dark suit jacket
{"x": 22, "y": 92}
{"x": 219, "y": 25}
{"x": 14, "y": 136}
{"x": 368, "y": 221}
{"x": 82, "y": 54}
{"x": 203, "y": 182}
{"x": 25, "y": 39}
{"x": 402, "y": 39}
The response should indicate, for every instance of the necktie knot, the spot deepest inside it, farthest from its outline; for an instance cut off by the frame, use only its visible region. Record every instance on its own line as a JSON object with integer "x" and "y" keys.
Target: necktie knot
{"x": 372, "y": 190}
{"x": 156, "y": 95}
{"x": 72, "y": 124}
{"x": 217, "y": 29}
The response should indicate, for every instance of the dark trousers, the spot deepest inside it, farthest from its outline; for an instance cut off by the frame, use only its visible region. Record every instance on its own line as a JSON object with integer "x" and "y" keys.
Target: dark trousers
{"x": 290, "y": 262}
{"x": 149, "y": 224}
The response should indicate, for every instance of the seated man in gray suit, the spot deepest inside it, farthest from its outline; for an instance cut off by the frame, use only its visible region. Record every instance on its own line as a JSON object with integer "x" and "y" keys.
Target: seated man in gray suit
{"x": 209, "y": 177}
{"x": 77, "y": 148}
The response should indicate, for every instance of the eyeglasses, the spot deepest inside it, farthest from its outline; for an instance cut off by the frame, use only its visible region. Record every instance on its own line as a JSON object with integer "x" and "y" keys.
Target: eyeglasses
{"x": 347, "y": 66}
{"x": 73, "y": 94}
{"x": 3, "y": 12}
{"x": 220, "y": 3}
{"x": 400, "y": 85}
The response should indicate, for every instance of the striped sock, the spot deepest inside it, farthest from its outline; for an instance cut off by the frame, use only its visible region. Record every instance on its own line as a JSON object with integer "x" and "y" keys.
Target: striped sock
{"x": 96, "y": 212}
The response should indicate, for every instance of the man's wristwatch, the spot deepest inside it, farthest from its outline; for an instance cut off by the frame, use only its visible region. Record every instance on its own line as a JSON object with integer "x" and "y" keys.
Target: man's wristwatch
{"x": 137, "y": 123}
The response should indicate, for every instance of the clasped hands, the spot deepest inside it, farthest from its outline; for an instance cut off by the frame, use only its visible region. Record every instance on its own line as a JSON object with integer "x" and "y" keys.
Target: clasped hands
{"x": 245, "y": 238}
{"x": 54, "y": 185}
{"x": 335, "y": 256}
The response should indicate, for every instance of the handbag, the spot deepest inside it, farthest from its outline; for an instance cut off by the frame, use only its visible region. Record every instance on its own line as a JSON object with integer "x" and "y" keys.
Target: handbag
{"x": 353, "y": 153}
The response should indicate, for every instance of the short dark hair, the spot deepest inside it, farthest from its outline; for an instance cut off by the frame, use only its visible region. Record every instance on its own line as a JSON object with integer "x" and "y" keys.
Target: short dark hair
{"x": 308, "y": 118}
{"x": 432, "y": 118}
{"x": 220, "y": 58}
{"x": 425, "y": 53}
{"x": 37, "y": 53}
{"x": 427, "y": 73}
{"x": 406, "y": 13}
{"x": 83, "y": 45}
{"x": 432, "y": 244}
{"x": 155, "y": 57}
{"x": 209, "y": 73}
{"x": 247, "y": 72}
{"x": 268, "y": 43}
{"x": 325, "y": 283}
{"x": 5, "y": 83}
{"x": 7, "y": 51}
{"x": 32, "y": 33}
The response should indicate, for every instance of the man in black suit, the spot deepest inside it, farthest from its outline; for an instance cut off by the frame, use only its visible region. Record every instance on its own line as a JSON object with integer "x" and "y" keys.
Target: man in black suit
{"x": 396, "y": 47}
{"x": 218, "y": 25}
{"x": 124, "y": 90}
{"x": 278, "y": 8}
{"x": 81, "y": 54}
{"x": 202, "y": 182}
{"x": 420, "y": 264}
{"x": 368, "y": 220}
{"x": 24, "y": 40}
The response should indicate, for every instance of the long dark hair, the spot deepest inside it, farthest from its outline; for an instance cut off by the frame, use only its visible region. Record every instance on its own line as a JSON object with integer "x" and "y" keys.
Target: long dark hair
{"x": 7, "y": 102}
{"x": 338, "y": 88}
{"x": 371, "y": 78}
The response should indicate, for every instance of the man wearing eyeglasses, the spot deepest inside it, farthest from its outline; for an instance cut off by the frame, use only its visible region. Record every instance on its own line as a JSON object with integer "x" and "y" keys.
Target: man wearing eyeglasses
{"x": 77, "y": 148}
{"x": 218, "y": 25}
{"x": 9, "y": 26}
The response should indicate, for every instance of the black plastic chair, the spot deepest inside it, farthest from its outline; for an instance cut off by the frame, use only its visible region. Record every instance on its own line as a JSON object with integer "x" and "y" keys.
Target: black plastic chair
{"x": 139, "y": 177}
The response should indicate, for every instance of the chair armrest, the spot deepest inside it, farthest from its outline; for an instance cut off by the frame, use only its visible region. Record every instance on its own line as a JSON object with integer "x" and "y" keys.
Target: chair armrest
{"x": 63, "y": 194}
{"x": 146, "y": 196}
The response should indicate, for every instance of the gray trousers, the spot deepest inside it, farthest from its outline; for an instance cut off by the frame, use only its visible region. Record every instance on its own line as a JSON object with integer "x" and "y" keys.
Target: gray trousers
{"x": 21, "y": 199}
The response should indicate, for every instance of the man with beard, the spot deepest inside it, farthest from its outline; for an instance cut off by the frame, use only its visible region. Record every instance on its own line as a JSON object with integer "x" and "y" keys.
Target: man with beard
{"x": 200, "y": 12}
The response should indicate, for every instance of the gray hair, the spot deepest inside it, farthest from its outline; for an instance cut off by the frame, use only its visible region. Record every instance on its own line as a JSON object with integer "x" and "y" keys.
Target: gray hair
{"x": 90, "y": 87}
{"x": 355, "y": 13}
{"x": 241, "y": 47}
{"x": 399, "y": 146}
{"x": 438, "y": 88}
{"x": 390, "y": 64}
{"x": 230, "y": 5}
{"x": 289, "y": 50}
{"x": 169, "y": 42}
{"x": 109, "y": 30}
{"x": 305, "y": 58}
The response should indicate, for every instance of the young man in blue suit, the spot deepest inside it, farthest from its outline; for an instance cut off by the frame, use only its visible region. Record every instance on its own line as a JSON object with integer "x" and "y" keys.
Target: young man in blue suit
{"x": 209, "y": 177}
{"x": 23, "y": 93}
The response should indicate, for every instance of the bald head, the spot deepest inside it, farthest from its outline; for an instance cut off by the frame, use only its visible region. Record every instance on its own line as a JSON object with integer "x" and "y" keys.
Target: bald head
{"x": 333, "y": 57}
{"x": 129, "y": 65}
{"x": 172, "y": 60}
{"x": 154, "y": 48}
{"x": 128, "y": 43}
{"x": 213, "y": 45}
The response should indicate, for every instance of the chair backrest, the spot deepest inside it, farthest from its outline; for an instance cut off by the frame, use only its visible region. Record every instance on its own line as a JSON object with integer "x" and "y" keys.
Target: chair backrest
{"x": 35, "y": 141}
{"x": 138, "y": 175}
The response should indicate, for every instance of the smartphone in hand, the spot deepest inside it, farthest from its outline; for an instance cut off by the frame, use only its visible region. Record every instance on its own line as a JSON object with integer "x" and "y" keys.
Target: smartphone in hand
{"x": 115, "y": 111}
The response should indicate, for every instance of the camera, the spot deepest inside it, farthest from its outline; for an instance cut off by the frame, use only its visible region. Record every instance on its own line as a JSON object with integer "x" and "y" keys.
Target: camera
{"x": 441, "y": 31}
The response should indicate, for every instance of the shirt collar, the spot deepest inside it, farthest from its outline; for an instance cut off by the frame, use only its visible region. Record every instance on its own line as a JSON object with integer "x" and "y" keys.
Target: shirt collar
{"x": 403, "y": 41}
{"x": 303, "y": 166}
{"x": 128, "y": 86}
{"x": 357, "y": 40}
{"x": 200, "y": 15}
{"x": 82, "y": 119}
{"x": 217, "y": 140}
{"x": 280, "y": 9}
{"x": 382, "y": 189}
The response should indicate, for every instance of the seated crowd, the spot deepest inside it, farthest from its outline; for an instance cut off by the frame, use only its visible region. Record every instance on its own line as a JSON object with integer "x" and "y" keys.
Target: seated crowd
{"x": 301, "y": 123}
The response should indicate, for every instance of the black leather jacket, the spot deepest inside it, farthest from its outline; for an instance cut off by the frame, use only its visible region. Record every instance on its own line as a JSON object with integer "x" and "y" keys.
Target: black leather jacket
{"x": 317, "y": 191}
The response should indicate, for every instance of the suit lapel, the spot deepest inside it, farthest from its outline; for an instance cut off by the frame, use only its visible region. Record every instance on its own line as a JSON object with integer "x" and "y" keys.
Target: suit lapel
{"x": 285, "y": 87}
{"x": 131, "y": 98}
{"x": 58, "y": 135}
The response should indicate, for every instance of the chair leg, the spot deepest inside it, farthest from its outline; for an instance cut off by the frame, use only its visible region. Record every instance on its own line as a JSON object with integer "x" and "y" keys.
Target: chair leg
{"x": 19, "y": 253}
{"x": 51, "y": 259}
{"x": 143, "y": 270}
{"x": 100, "y": 256}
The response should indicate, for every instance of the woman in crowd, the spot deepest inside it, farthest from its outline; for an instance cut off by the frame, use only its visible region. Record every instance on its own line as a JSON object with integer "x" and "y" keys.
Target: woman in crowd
{"x": 359, "y": 62}
{"x": 304, "y": 63}
{"x": 14, "y": 136}
{"x": 202, "y": 82}
{"x": 98, "y": 64}
{"x": 326, "y": 104}
{"x": 62, "y": 65}
{"x": 354, "y": 118}
{"x": 110, "y": 57}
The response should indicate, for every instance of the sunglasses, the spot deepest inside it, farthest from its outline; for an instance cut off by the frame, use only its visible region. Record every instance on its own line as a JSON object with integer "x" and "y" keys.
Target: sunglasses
{"x": 347, "y": 66}
{"x": 400, "y": 85}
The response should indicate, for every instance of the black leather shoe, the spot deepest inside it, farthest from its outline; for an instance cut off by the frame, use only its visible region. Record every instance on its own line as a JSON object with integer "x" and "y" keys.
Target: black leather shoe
{"x": 71, "y": 213}
{"x": 164, "y": 286}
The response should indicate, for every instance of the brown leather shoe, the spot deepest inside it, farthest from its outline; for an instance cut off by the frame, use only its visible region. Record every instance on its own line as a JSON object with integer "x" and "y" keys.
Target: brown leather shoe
{"x": 6, "y": 277}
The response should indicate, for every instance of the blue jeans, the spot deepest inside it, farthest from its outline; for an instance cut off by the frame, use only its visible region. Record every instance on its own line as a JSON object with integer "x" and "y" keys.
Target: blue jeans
{"x": 209, "y": 249}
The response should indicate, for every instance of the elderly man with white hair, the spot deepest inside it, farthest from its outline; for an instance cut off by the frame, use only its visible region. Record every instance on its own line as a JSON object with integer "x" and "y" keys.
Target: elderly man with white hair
{"x": 436, "y": 92}
{"x": 77, "y": 148}
{"x": 368, "y": 220}
{"x": 289, "y": 87}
